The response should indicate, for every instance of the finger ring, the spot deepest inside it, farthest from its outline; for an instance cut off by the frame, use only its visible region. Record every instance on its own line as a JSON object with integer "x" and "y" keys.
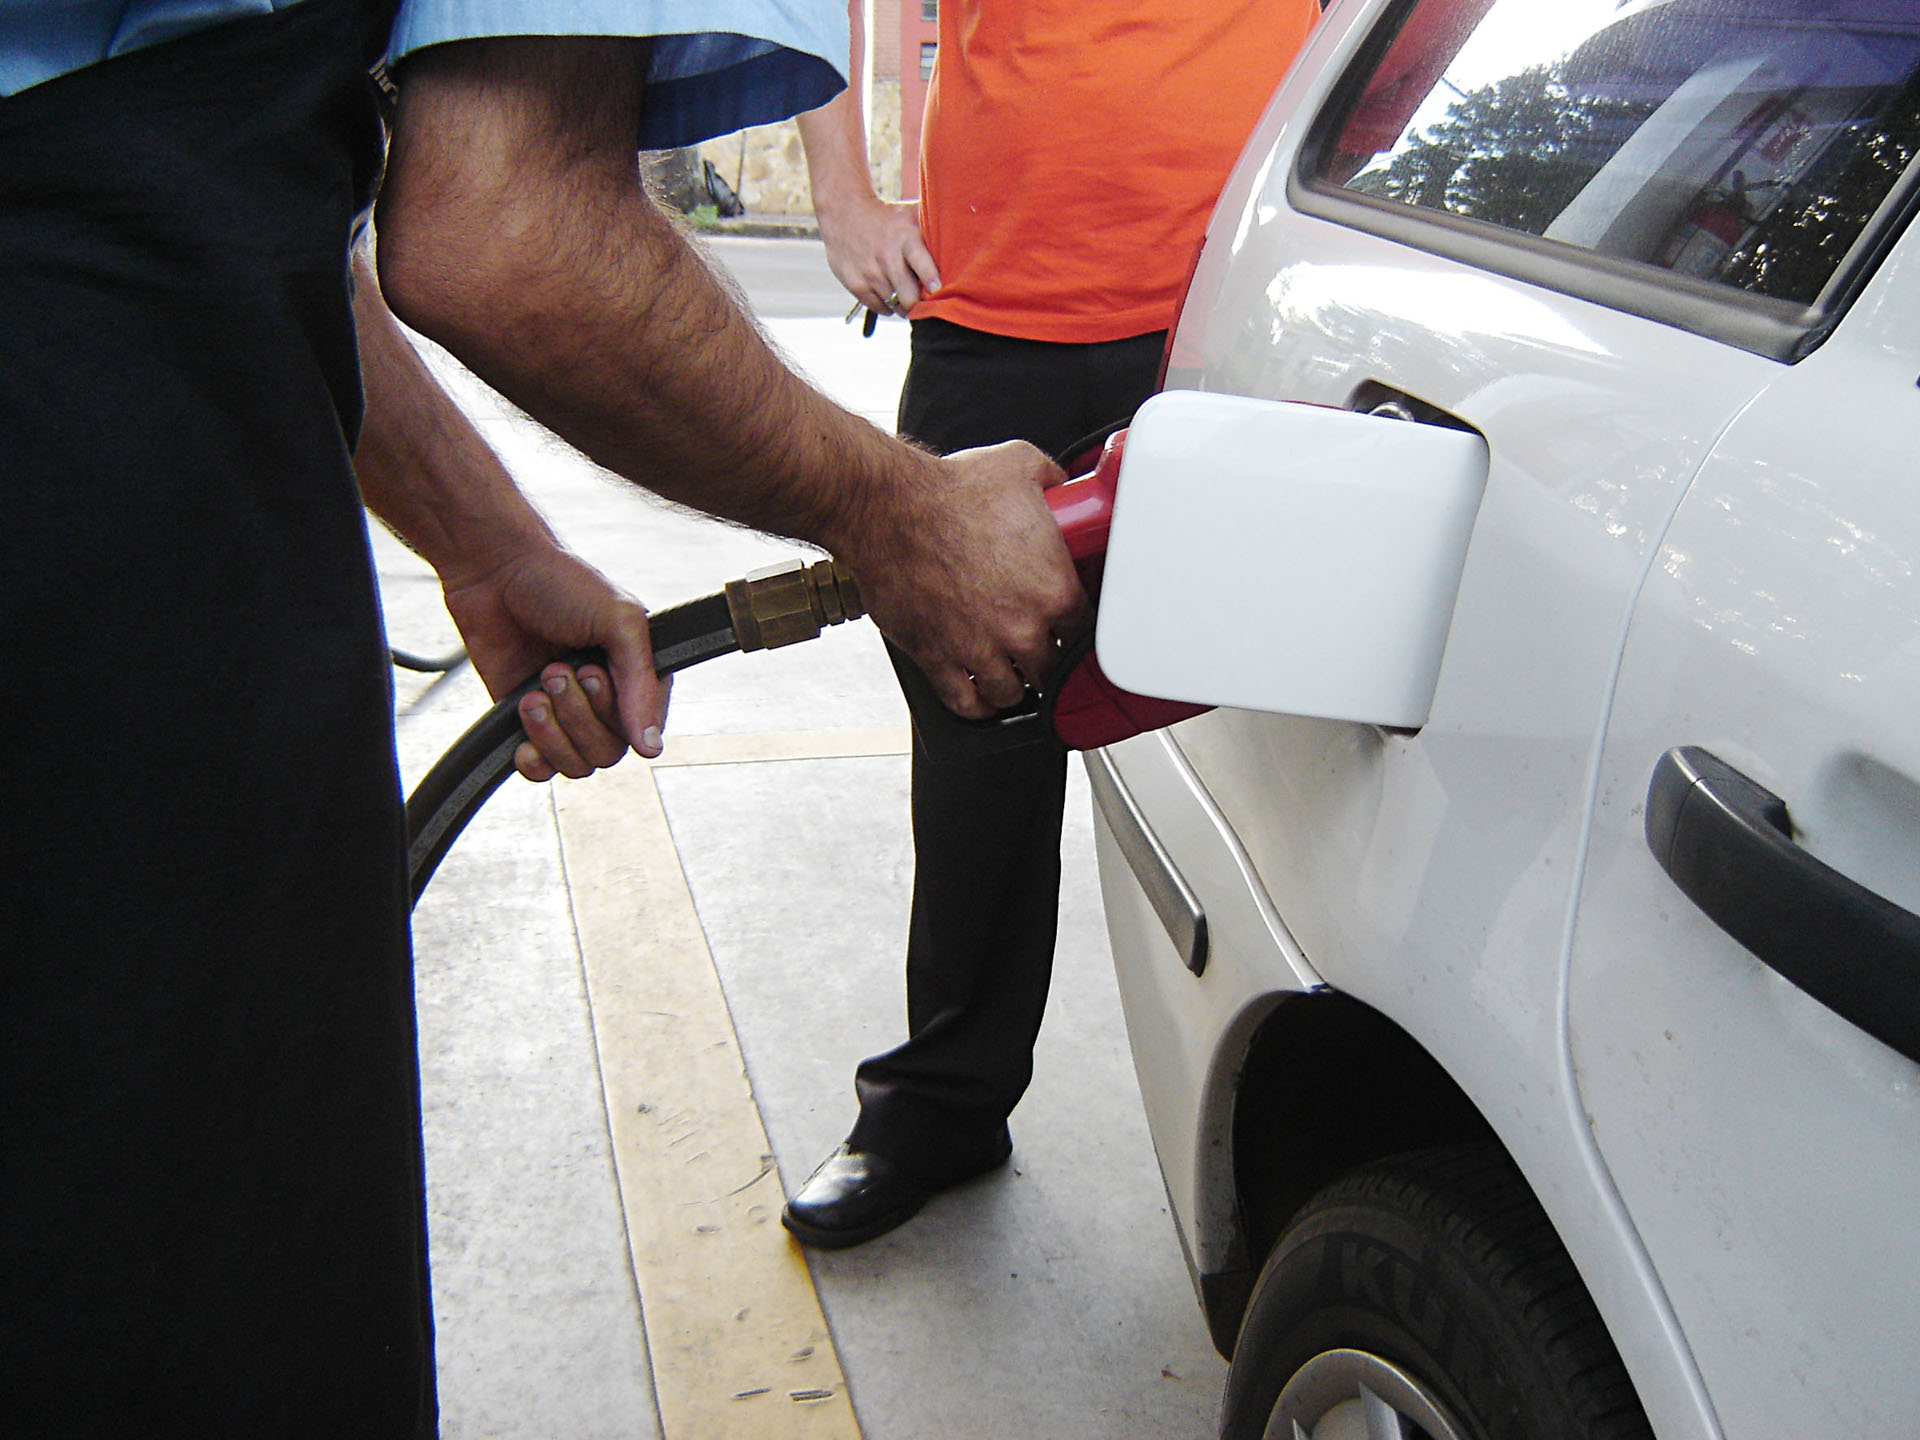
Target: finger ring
{"x": 893, "y": 300}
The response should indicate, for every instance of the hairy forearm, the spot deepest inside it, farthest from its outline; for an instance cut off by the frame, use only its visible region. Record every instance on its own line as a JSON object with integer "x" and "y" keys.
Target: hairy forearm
{"x": 422, "y": 467}
{"x": 518, "y": 597}
{"x": 536, "y": 256}
{"x": 514, "y": 230}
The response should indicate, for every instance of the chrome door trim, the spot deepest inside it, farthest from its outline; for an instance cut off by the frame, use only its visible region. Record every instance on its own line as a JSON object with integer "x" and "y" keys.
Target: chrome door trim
{"x": 1172, "y": 898}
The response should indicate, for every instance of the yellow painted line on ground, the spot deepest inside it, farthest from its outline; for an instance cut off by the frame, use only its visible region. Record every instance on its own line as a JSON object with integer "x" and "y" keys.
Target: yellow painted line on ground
{"x": 738, "y": 1342}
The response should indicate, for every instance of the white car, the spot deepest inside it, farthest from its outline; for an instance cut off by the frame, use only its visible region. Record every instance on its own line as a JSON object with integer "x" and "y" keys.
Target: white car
{"x": 1540, "y": 1060}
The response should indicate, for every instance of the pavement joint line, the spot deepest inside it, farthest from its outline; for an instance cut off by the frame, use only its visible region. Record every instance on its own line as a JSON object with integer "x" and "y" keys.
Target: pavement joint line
{"x": 754, "y": 747}
{"x": 736, "y": 1337}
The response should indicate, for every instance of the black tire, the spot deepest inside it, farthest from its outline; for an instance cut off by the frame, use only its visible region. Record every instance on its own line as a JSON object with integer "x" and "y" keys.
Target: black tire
{"x": 1435, "y": 1281}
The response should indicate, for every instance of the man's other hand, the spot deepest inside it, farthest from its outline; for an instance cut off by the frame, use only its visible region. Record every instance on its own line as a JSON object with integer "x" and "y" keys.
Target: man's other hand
{"x": 517, "y": 614}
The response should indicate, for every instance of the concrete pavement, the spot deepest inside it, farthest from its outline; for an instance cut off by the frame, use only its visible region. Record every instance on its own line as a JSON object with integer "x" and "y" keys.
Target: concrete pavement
{"x": 634, "y": 987}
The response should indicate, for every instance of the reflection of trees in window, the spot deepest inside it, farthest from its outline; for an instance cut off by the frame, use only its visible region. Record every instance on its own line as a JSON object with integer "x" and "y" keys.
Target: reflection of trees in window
{"x": 1801, "y": 241}
{"x": 1513, "y": 153}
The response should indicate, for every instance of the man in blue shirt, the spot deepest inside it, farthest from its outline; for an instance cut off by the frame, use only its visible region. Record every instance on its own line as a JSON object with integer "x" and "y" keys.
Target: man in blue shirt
{"x": 211, "y": 1208}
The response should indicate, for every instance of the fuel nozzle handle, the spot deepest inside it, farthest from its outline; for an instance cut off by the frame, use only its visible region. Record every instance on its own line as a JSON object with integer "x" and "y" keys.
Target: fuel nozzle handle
{"x": 1083, "y": 506}
{"x": 785, "y": 604}
{"x": 1083, "y": 509}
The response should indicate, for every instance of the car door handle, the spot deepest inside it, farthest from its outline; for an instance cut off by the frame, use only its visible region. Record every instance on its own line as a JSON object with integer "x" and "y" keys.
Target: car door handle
{"x": 1728, "y": 844}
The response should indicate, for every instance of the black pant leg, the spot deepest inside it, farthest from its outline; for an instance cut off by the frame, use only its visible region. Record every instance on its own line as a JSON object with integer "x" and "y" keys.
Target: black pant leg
{"x": 212, "y": 1214}
{"x": 986, "y": 828}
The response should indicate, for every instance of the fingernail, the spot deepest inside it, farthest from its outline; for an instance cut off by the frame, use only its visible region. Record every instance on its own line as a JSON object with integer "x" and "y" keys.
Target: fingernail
{"x": 556, "y": 684}
{"x": 591, "y": 684}
{"x": 537, "y": 713}
{"x": 650, "y": 740}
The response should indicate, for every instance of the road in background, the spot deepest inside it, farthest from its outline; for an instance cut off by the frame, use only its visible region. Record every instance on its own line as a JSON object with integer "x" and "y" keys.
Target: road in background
{"x": 780, "y": 278}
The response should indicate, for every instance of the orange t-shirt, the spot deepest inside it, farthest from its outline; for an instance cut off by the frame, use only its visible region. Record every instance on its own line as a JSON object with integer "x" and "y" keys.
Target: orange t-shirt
{"x": 1073, "y": 151}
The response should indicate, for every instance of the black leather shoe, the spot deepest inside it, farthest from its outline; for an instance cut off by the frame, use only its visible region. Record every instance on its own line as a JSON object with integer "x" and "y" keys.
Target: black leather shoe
{"x": 853, "y": 1196}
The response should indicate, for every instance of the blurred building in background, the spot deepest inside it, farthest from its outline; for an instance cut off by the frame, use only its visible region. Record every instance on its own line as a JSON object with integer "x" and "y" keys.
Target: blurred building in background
{"x": 765, "y": 166}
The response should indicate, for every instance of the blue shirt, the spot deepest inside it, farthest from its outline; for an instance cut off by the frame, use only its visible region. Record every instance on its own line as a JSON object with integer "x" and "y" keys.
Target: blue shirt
{"x": 718, "y": 65}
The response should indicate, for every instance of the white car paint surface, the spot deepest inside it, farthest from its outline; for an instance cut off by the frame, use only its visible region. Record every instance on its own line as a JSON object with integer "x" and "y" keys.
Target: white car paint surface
{"x": 1692, "y": 533}
{"x": 1767, "y": 1151}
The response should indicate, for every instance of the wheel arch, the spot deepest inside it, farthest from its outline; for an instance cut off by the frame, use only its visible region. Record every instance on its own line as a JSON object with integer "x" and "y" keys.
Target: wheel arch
{"x": 1324, "y": 1085}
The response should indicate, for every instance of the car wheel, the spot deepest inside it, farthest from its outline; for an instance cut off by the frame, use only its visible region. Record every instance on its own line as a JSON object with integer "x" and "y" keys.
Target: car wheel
{"x": 1426, "y": 1297}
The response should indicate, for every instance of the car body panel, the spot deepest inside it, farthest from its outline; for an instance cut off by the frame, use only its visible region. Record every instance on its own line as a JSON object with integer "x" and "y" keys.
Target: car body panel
{"x": 1434, "y": 876}
{"x": 1766, "y": 1148}
{"x": 1174, "y": 1016}
{"x": 1431, "y": 877}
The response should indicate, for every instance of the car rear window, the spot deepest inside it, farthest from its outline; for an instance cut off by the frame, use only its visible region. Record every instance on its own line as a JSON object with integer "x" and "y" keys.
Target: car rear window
{"x": 1744, "y": 146}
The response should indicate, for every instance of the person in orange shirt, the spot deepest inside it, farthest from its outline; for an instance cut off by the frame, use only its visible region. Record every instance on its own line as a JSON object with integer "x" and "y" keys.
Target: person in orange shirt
{"x": 1071, "y": 156}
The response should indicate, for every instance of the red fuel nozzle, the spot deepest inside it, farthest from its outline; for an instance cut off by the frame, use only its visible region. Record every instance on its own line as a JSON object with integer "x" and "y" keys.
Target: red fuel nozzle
{"x": 1083, "y": 505}
{"x": 1081, "y": 707}
{"x": 1077, "y": 704}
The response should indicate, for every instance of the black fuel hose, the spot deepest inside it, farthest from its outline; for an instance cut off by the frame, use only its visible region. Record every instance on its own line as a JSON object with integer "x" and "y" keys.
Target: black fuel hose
{"x": 461, "y": 781}
{"x": 771, "y": 608}
{"x": 425, "y": 664}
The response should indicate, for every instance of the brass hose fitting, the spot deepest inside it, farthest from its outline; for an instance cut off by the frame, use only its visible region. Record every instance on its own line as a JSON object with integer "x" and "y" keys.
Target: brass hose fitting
{"x": 785, "y": 604}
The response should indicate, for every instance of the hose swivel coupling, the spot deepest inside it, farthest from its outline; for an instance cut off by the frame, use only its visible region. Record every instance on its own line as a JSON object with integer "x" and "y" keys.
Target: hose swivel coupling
{"x": 785, "y": 604}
